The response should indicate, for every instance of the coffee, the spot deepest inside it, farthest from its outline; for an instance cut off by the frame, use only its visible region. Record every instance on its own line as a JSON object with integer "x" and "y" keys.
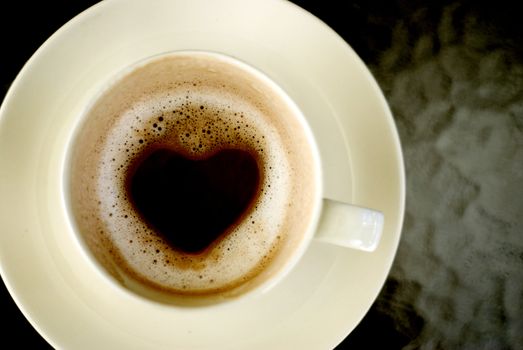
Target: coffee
{"x": 222, "y": 186}
{"x": 190, "y": 175}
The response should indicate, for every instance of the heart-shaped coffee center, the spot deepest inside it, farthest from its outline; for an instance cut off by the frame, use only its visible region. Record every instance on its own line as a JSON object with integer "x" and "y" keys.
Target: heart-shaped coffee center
{"x": 191, "y": 203}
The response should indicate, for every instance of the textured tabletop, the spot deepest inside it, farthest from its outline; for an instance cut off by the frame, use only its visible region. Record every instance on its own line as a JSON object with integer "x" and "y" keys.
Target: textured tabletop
{"x": 453, "y": 76}
{"x": 452, "y": 73}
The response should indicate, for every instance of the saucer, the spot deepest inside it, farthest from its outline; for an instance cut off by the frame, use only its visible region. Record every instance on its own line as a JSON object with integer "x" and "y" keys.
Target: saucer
{"x": 42, "y": 265}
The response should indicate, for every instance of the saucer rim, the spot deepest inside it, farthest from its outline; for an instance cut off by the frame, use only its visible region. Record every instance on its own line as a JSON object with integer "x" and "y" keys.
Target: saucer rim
{"x": 26, "y": 70}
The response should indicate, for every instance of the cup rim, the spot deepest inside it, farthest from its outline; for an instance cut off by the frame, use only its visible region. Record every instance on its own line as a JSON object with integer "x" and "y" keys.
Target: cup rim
{"x": 157, "y": 298}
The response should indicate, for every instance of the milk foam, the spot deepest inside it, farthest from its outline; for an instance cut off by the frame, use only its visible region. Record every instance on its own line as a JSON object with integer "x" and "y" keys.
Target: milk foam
{"x": 196, "y": 105}
{"x": 198, "y": 123}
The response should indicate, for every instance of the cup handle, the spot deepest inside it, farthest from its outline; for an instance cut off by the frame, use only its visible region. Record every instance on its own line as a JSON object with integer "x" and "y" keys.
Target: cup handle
{"x": 349, "y": 226}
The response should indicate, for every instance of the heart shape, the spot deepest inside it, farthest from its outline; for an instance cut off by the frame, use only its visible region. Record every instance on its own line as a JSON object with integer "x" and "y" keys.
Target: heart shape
{"x": 193, "y": 202}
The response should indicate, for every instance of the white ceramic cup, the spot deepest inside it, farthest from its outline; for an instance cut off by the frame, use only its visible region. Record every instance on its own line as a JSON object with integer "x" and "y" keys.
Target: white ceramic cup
{"x": 333, "y": 222}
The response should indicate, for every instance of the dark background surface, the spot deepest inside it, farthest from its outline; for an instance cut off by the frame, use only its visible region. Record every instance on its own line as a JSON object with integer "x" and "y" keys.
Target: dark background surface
{"x": 406, "y": 44}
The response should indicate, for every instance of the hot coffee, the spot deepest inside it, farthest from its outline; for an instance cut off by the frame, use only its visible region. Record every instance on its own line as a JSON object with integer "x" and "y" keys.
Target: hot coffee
{"x": 192, "y": 176}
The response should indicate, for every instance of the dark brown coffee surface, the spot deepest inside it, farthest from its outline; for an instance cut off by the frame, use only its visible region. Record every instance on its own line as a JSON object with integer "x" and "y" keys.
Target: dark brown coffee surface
{"x": 192, "y": 202}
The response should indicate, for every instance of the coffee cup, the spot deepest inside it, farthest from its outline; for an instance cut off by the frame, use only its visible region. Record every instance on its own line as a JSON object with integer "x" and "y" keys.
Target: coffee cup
{"x": 193, "y": 179}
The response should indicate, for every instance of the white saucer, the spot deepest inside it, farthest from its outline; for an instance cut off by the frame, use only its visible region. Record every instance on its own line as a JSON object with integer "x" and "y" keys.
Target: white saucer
{"x": 324, "y": 297}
